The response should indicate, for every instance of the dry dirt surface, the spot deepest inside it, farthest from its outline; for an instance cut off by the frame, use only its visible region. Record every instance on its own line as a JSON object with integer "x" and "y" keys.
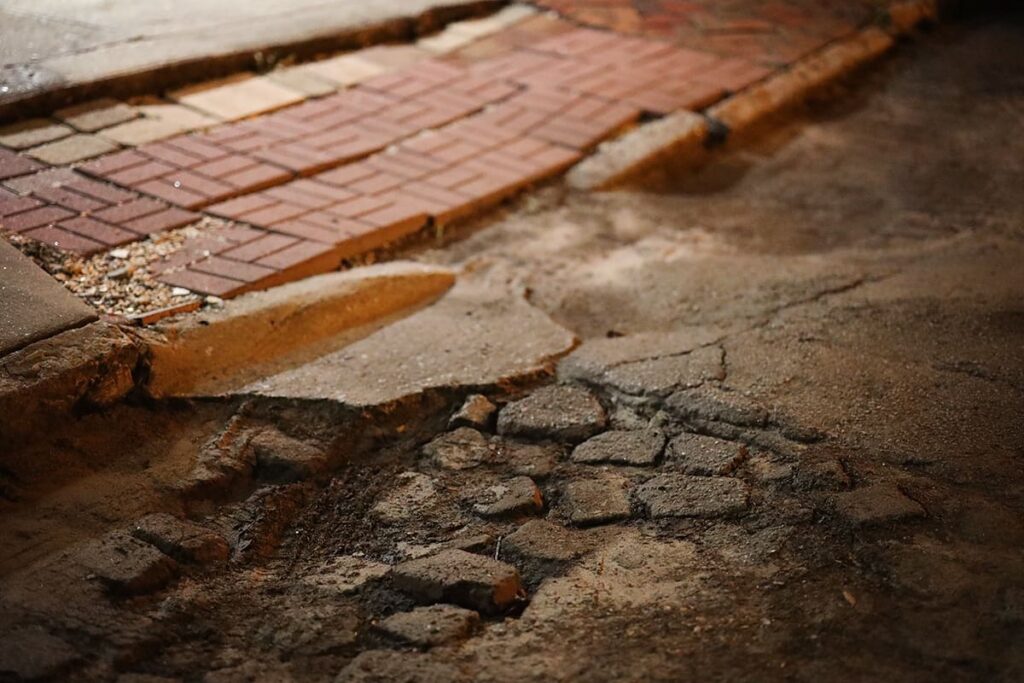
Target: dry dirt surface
{"x": 788, "y": 446}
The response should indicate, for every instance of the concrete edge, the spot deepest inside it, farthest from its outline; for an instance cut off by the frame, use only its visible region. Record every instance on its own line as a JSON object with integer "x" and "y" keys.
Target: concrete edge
{"x": 186, "y": 71}
{"x": 210, "y": 348}
{"x": 687, "y": 135}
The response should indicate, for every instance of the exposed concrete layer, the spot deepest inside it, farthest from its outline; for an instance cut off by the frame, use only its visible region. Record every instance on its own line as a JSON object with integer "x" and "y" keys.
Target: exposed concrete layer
{"x": 58, "y": 52}
{"x": 33, "y": 305}
{"x": 206, "y": 352}
{"x": 479, "y": 335}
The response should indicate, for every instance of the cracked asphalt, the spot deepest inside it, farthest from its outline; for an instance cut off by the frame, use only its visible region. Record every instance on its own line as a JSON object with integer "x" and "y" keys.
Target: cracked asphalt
{"x": 781, "y": 439}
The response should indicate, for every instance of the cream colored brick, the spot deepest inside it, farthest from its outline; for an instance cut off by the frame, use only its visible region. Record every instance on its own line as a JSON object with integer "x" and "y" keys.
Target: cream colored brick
{"x": 160, "y": 120}
{"x": 32, "y": 132}
{"x": 96, "y": 115}
{"x": 444, "y": 42}
{"x": 346, "y": 70}
{"x": 303, "y": 80}
{"x": 72, "y": 149}
{"x": 237, "y": 97}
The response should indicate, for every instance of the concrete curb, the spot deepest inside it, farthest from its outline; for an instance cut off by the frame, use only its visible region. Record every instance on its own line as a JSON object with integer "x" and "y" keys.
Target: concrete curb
{"x": 686, "y": 134}
{"x": 680, "y": 133}
{"x": 211, "y": 348}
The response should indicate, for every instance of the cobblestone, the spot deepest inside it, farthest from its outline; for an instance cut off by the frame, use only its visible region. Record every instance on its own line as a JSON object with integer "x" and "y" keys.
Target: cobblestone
{"x": 558, "y": 412}
{"x": 182, "y": 540}
{"x": 515, "y": 497}
{"x": 541, "y": 540}
{"x": 461, "y": 449}
{"x": 679, "y": 495}
{"x": 477, "y": 412}
{"x": 124, "y": 564}
{"x": 590, "y": 502}
{"x": 876, "y": 504}
{"x": 704, "y": 455}
{"x": 461, "y": 578}
{"x": 431, "y": 626}
{"x": 637, "y": 448}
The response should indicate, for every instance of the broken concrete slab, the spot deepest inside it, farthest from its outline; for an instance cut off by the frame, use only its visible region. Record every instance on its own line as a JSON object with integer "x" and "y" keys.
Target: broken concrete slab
{"x": 213, "y": 350}
{"x": 477, "y": 335}
{"x": 462, "y": 578}
{"x": 638, "y": 448}
{"x": 559, "y": 412}
{"x": 35, "y": 306}
{"x": 680, "y": 495}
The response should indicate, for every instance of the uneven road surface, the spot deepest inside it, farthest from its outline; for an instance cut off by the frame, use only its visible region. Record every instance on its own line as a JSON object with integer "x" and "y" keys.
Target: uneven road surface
{"x": 783, "y": 439}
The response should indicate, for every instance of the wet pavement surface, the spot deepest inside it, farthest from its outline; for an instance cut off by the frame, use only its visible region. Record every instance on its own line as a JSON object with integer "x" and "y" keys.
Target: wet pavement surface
{"x": 787, "y": 447}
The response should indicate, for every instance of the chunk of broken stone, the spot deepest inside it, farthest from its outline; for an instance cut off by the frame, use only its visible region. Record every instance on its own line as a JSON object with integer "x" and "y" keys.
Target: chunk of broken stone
{"x": 124, "y": 564}
{"x": 430, "y": 626}
{"x": 515, "y": 497}
{"x": 181, "y": 539}
{"x": 876, "y": 504}
{"x": 542, "y": 540}
{"x": 559, "y": 412}
{"x": 662, "y": 376}
{"x": 411, "y": 492}
{"x": 477, "y": 412}
{"x": 390, "y": 666}
{"x": 461, "y": 578}
{"x": 711, "y": 404}
{"x": 536, "y": 461}
{"x": 681, "y": 495}
{"x": 705, "y": 455}
{"x": 637, "y": 448}
{"x": 590, "y": 502}
{"x": 284, "y": 459}
{"x": 461, "y": 449}
{"x": 345, "y": 574}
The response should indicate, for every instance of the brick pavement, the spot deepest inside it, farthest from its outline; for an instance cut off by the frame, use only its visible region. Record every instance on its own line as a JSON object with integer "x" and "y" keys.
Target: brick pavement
{"x": 418, "y": 136}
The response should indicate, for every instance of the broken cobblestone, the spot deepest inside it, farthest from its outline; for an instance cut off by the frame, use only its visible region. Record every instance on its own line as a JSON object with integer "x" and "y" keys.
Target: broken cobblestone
{"x": 124, "y": 564}
{"x": 477, "y": 412}
{"x": 431, "y": 626}
{"x": 283, "y": 459}
{"x": 472, "y": 581}
{"x": 680, "y": 495}
{"x": 386, "y": 666}
{"x": 542, "y": 540}
{"x": 704, "y": 455}
{"x": 182, "y": 540}
{"x": 712, "y": 404}
{"x": 637, "y": 448}
{"x": 346, "y": 574}
{"x": 591, "y": 502}
{"x": 461, "y": 449}
{"x": 516, "y": 497}
{"x": 536, "y": 461}
{"x": 562, "y": 413}
{"x": 881, "y": 503}
{"x": 412, "y": 491}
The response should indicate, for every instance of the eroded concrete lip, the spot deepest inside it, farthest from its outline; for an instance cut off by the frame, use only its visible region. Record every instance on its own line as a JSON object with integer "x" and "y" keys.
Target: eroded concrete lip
{"x": 478, "y": 336}
{"x": 214, "y": 351}
{"x": 34, "y": 306}
{"x": 157, "y": 52}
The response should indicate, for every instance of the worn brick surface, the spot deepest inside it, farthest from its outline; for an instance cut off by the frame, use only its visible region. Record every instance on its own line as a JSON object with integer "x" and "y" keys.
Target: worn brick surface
{"x": 74, "y": 213}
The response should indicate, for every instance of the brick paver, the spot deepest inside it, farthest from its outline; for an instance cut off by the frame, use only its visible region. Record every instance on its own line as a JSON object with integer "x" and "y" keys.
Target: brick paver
{"x": 75, "y": 213}
{"x": 422, "y": 134}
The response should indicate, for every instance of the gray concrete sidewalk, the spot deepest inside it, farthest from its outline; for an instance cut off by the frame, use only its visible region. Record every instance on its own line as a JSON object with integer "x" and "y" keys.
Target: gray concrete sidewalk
{"x": 55, "y": 51}
{"x": 33, "y": 305}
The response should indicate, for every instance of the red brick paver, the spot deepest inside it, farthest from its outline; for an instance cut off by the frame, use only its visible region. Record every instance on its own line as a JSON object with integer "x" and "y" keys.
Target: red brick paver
{"x": 75, "y": 213}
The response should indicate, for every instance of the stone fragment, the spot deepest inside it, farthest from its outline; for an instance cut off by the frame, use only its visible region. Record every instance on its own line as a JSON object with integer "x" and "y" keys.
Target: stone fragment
{"x": 680, "y": 495}
{"x": 461, "y": 449}
{"x": 712, "y": 404}
{"x": 477, "y": 412}
{"x": 704, "y": 455}
{"x": 283, "y": 459}
{"x": 662, "y": 376}
{"x": 558, "y": 412}
{"x": 637, "y": 448}
{"x": 876, "y": 504}
{"x": 411, "y": 492}
{"x": 29, "y": 653}
{"x": 458, "y": 577}
{"x": 430, "y": 626}
{"x": 389, "y": 666}
{"x": 770, "y": 469}
{"x": 591, "y": 501}
{"x": 542, "y": 540}
{"x": 515, "y": 497}
{"x": 827, "y": 473}
{"x": 536, "y": 461}
{"x": 90, "y": 117}
{"x": 182, "y": 540}
{"x": 346, "y": 574}
{"x": 124, "y": 564}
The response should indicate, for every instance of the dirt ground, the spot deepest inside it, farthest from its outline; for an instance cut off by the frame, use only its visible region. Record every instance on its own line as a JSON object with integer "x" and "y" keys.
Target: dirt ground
{"x": 803, "y": 366}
